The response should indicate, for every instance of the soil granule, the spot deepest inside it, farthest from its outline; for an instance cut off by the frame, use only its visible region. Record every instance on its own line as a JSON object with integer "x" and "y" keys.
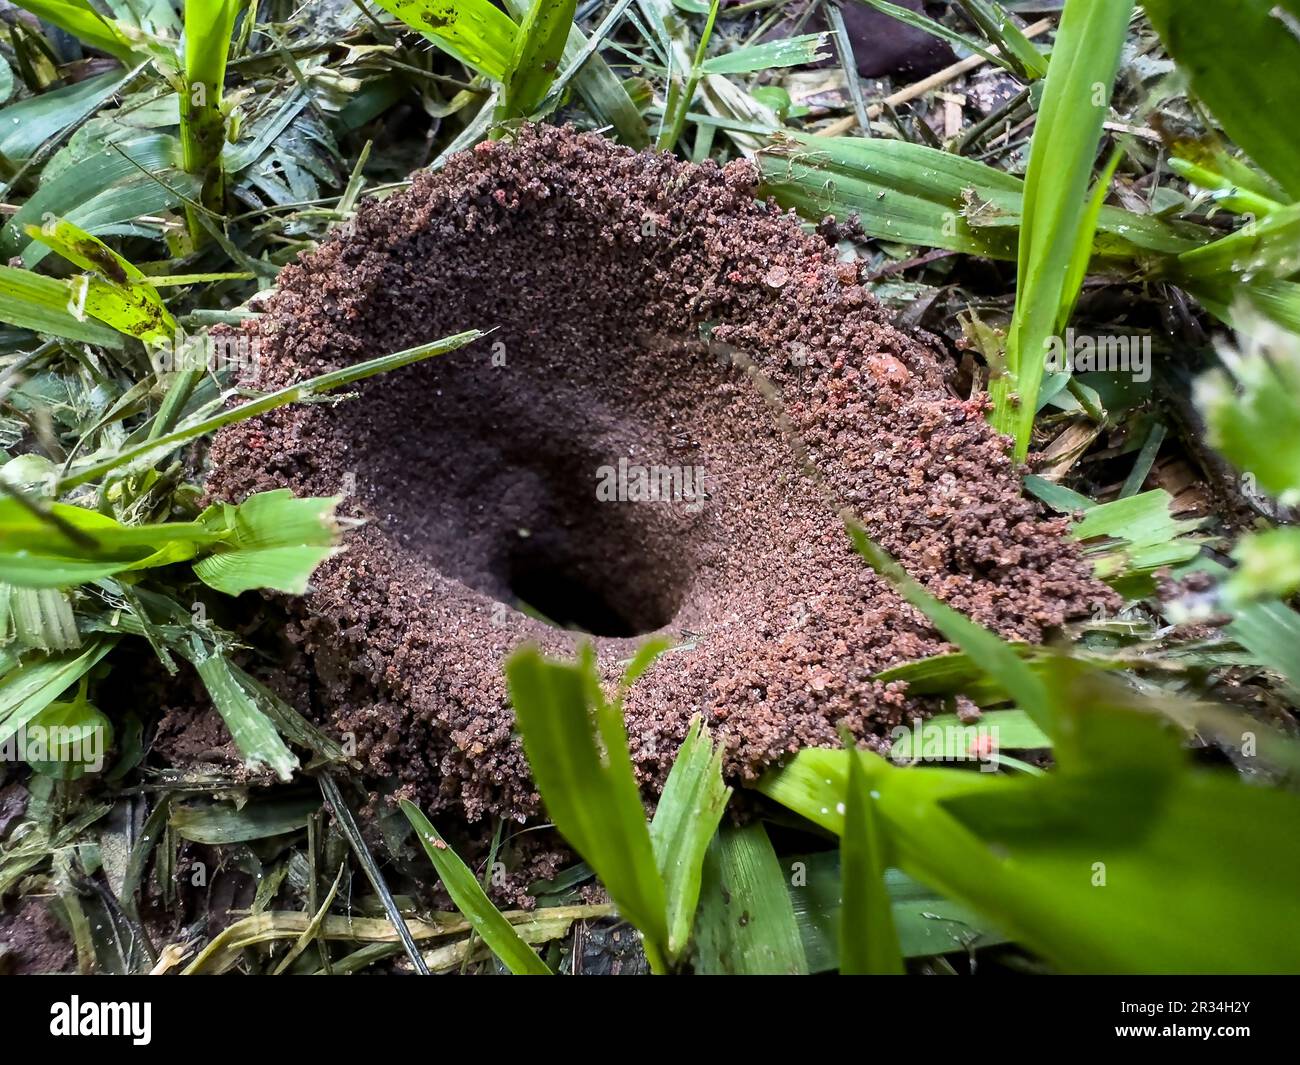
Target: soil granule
{"x": 619, "y": 284}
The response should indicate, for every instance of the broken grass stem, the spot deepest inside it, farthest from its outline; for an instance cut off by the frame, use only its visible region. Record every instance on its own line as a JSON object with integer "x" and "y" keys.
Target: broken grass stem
{"x": 151, "y": 449}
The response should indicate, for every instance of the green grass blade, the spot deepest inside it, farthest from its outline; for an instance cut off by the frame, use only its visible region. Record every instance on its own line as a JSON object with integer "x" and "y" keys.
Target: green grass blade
{"x": 272, "y": 540}
{"x": 1081, "y": 253}
{"x": 746, "y": 924}
{"x": 1229, "y": 190}
{"x": 868, "y": 939}
{"x": 33, "y": 301}
{"x": 38, "y": 619}
{"x": 1134, "y": 536}
{"x": 996, "y": 23}
{"x": 685, "y": 820}
{"x": 1078, "y": 867}
{"x": 1075, "y": 101}
{"x": 998, "y": 658}
{"x": 787, "y": 52}
{"x": 81, "y": 20}
{"x": 601, "y": 90}
{"x": 539, "y": 45}
{"x": 476, "y": 32}
{"x": 101, "y": 189}
{"x": 27, "y": 124}
{"x": 254, "y": 733}
{"x": 118, "y": 293}
{"x": 1269, "y": 248}
{"x": 150, "y": 450}
{"x": 928, "y": 923}
{"x": 916, "y": 194}
{"x": 577, "y": 749}
{"x": 1244, "y": 62}
{"x": 472, "y": 900}
{"x": 221, "y": 824}
{"x": 28, "y": 689}
{"x": 208, "y": 26}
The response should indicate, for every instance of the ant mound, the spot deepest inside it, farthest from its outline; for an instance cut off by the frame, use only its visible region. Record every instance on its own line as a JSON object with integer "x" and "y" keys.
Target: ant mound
{"x": 604, "y": 464}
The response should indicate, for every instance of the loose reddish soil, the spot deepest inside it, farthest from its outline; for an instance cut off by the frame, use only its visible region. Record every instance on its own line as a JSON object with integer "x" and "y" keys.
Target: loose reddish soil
{"x": 617, "y": 283}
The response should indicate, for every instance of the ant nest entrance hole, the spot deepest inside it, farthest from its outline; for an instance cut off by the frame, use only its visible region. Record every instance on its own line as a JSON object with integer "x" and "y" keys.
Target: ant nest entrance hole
{"x": 503, "y": 476}
{"x": 600, "y": 460}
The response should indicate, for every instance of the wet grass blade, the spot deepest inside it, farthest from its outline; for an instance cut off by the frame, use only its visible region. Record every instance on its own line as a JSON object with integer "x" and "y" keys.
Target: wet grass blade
{"x": 577, "y": 748}
{"x": 539, "y": 45}
{"x": 476, "y": 32}
{"x": 685, "y": 821}
{"x": 1076, "y": 97}
{"x": 472, "y": 901}
{"x": 746, "y": 924}
{"x": 1268, "y": 249}
{"x": 151, "y": 450}
{"x": 868, "y": 939}
{"x": 29, "y": 123}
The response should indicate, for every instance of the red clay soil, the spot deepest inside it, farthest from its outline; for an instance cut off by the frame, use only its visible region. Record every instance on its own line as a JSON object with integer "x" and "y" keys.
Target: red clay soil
{"x": 616, "y": 282}
{"x": 33, "y": 942}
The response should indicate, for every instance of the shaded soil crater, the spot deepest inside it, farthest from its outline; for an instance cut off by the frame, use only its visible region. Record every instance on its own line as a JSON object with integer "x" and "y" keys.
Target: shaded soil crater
{"x": 508, "y": 482}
